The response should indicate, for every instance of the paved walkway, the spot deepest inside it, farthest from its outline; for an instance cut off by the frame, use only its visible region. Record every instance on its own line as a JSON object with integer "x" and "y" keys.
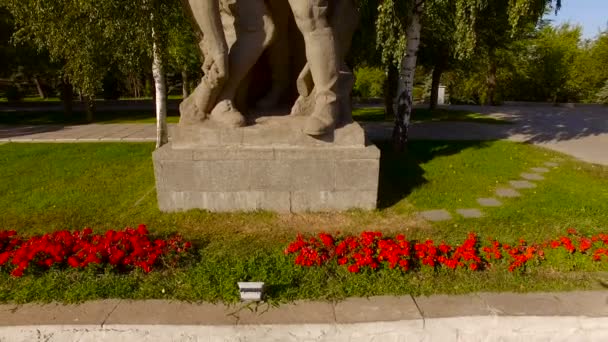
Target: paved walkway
{"x": 580, "y": 132}
{"x": 574, "y": 316}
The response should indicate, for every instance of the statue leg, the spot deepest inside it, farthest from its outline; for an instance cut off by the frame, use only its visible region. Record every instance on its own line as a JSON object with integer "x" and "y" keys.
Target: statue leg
{"x": 322, "y": 54}
{"x": 254, "y": 32}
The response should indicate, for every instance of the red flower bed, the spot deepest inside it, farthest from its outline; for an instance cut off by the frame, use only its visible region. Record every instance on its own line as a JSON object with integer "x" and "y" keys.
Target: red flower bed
{"x": 371, "y": 250}
{"x": 123, "y": 250}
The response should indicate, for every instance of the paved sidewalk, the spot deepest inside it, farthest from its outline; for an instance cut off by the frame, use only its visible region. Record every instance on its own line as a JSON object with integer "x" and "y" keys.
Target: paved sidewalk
{"x": 579, "y": 132}
{"x": 573, "y": 316}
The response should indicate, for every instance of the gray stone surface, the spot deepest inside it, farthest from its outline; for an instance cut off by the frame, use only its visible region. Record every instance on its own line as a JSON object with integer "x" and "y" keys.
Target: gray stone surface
{"x": 94, "y": 312}
{"x": 551, "y": 164}
{"x": 522, "y": 184}
{"x": 489, "y": 202}
{"x": 539, "y": 169}
{"x": 580, "y": 303}
{"x": 273, "y": 178}
{"x": 436, "y": 215}
{"x": 171, "y": 313}
{"x": 470, "y": 213}
{"x": 450, "y": 306}
{"x": 267, "y": 132}
{"x": 532, "y": 176}
{"x": 376, "y": 309}
{"x": 507, "y": 192}
{"x": 570, "y": 316}
{"x": 301, "y": 312}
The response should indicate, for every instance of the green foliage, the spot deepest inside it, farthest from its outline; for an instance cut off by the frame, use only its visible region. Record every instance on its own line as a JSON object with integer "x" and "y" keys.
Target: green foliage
{"x": 369, "y": 82}
{"x": 602, "y": 95}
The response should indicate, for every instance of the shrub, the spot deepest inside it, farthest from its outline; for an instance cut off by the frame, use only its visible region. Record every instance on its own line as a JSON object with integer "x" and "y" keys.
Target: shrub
{"x": 369, "y": 82}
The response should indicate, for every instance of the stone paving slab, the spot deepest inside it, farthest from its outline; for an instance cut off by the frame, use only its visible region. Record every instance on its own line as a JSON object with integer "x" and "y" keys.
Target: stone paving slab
{"x": 507, "y": 192}
{"x": 532, "y": 176}
{"x": 94, "y": 312}
{"x": 539, "y": 169}
{"x": 349, "y": 311}
{"x": 579, "y": 303}
{"x": 522, "y": 184}
{"x": 377, "y": 309}
{"x": 489, "y": 202}
{"x": 551, "y": 164}
{"x": 172, "y": 313}
{"x": 450, "y": 306}
{"x": 470, "y": 213}
{"x": 436, "y": 215}
{"x": 301, "y": 312}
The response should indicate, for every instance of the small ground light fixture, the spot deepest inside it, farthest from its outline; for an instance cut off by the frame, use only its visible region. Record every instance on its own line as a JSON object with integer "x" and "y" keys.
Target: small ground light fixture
{"x": 251, "y": 291}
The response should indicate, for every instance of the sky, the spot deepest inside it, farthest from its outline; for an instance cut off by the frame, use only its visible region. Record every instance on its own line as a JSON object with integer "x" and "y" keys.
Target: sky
{"x": 591, "y": 14}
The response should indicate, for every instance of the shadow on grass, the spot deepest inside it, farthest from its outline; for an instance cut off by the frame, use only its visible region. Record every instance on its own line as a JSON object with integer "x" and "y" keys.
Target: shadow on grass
{"x": 401, "y": 173}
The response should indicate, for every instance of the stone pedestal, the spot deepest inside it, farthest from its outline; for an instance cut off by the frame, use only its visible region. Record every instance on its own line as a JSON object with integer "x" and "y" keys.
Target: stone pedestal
{"x": 270, "y": 165}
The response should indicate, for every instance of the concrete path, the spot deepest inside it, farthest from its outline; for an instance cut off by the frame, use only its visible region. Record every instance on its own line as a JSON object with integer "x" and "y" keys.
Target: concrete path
{"x": 574, "y": 316}
{"x": 579, "y": 132}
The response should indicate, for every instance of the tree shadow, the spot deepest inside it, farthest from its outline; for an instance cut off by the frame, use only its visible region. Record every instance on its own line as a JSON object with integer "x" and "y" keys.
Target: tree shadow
{"x": 545, "y": 123}
{"x": 401, "y": 173}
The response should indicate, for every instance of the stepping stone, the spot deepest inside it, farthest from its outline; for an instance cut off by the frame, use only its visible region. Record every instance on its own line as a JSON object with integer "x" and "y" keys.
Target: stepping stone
{"x": 532, "y": 176}
{"x": 489, "y": 202}
{"x": 540, "y": 169}
{"x": 507, "y": 192}
{"x": 436, "y": 215}
{"x": 470, "y": 213}
{"x": 522, "y": 184}
{"x": 551, "y": 164}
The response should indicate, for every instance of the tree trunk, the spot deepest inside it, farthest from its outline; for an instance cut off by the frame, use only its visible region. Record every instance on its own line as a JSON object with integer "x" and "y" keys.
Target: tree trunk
{"x": 67, "y": 97}
{"x": 89, "y": 108}
{"x": 390, "y": 88}
{"x": 491, "y": 79}
{"x": 185, "y": 85}
{"x": 41, "y": 93}
{"x": 403, "y": 102}
{"x": 437, "y": 72}
{"x": 160, "y": 87}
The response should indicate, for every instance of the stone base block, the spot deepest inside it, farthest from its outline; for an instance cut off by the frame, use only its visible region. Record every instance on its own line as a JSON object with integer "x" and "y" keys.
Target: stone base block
{"x": 276, "y": 178}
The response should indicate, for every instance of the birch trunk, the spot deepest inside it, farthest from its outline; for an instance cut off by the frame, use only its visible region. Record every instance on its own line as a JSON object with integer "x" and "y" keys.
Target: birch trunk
{"x": 403, "y": 102}
{"x": 160, "y": 89}
{"x": 41, "y": 93}
{"x": 185, "y": 85}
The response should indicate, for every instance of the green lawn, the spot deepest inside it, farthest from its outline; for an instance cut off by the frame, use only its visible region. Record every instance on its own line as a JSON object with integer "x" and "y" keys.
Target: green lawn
{"x": 424, "y": 114}
{"x": 45, "y": 187}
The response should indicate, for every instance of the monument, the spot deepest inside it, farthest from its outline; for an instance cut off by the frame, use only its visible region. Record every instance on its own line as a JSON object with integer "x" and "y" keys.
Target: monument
{"x": 254, "y": 137}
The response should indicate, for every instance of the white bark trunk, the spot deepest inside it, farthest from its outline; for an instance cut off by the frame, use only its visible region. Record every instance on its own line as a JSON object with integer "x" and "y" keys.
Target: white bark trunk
{"x": 404, "y": 100}
{"x": 160, "y": 86}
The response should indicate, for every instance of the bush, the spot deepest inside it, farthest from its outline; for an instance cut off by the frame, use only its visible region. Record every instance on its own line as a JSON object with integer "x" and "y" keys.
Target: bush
{"x": 369, "y": 82}
{"x": 602, "y": 95}
{"x": 13, "y": 93}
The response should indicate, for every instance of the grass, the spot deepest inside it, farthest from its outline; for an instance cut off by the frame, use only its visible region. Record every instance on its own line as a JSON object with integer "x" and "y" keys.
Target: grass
{"x": 372, "y": 114}
{"x": 46, "y": 187}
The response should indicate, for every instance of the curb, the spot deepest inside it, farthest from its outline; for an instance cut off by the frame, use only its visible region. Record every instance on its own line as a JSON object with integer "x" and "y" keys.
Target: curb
{"x": 568, "y": 316}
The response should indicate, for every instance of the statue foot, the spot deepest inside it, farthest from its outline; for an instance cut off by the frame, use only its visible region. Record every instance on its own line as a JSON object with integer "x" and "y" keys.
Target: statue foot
{"x": 323, "y": 120}
{"x": 225, "y": 113}
{"x": 190, "y": 113}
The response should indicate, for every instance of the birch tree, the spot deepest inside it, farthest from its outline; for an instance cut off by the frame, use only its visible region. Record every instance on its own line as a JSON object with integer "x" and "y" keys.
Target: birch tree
{"x": 399, "y": 26}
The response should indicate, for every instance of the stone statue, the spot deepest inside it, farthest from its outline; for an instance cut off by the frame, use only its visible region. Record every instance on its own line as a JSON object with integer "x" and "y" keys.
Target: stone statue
{"x": 235, "y": 33}
{"x": 233, "y": 150}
